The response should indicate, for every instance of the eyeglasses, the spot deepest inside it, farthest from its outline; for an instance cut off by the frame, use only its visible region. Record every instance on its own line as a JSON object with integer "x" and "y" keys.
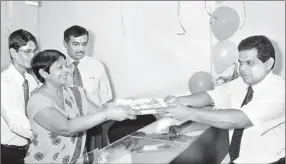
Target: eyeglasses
{"x": 29, "y": 51}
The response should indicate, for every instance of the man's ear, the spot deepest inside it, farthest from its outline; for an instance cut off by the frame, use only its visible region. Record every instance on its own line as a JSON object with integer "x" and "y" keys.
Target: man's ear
{"x": 269, "y": 63}
{"x": 43, "y": 73}
{"x": 13, "y": 53}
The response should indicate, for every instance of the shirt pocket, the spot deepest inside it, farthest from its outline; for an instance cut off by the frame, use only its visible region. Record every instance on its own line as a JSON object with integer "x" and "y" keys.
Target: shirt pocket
{"x": 91, "y": 84}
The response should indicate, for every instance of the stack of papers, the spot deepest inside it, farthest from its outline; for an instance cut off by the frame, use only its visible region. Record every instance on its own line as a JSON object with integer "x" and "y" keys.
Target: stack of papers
{"x": 142, "y": 103}
{"x": 144, "y": 106}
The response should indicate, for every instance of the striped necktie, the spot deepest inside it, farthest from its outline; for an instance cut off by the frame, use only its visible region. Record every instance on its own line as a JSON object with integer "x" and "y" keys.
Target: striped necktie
{"x": 76, "y": 75}
{"x": 26, "y": 93}
{"x": 237, "y": 133}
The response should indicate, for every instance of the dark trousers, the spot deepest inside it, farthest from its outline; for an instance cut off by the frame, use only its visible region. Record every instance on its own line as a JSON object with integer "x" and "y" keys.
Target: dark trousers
{"x": 94, "y": 138}
{"x": 121, "y": 129}
{"x": 13, "y": 154}
{"x": 280, "y": 161}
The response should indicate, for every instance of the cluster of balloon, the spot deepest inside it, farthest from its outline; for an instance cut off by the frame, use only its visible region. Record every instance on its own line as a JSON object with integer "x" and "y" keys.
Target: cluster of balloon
{"x": 224, "y": 54}
{"x": 200, "y": 81}
{"x": 224, "y": 22}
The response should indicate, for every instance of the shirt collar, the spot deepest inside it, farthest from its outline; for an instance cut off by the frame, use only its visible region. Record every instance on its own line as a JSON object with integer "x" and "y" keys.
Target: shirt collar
{"x": 262, "y": 83}
{"x": 72, "y": 60}
{"x": 16, "y": 74}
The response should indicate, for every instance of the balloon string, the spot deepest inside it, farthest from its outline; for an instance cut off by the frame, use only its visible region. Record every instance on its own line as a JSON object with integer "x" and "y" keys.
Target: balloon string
{"x": 207, "y": 9}
{"x": 122, "y": 22}
{"x": 7, "y": 26}
{"x": 36, "y": 22}
{"x": 178, "y": 17}
{"x": 244, "y": 15}
{"x": 210, "y": 43}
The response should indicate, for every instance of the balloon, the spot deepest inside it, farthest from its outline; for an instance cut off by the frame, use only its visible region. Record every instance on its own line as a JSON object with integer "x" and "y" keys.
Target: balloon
{"x": 224, "y": 22}
{"x": 224, "y": 53}
{"x": 200, "y": 81}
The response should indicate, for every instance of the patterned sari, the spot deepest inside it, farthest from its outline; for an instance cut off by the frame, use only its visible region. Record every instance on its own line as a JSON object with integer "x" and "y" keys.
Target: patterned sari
{"x": 47, "y": 147}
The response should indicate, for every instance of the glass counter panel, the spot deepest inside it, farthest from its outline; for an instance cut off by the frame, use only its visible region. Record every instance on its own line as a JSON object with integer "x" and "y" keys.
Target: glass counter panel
{"x": 165, "y": 136}
{"x": 134, "y": 149}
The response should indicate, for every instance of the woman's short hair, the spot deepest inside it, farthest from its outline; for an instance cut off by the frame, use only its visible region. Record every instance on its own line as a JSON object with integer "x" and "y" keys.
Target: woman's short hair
{"x": 44, "y": 60}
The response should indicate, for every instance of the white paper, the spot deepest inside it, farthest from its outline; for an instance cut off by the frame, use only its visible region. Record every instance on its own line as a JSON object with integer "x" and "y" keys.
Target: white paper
{"x": 139, "y": 104}
{"x": 194, "y": 133}
{"x": 164, "y": 124}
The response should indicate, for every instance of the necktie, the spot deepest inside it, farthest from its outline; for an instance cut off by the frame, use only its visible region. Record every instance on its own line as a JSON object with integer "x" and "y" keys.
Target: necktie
{"x": 94, "y": 135}
{"x": 76, "y": 75}
{"x": 26, "y": 93}
{"x": 237, "y": 134}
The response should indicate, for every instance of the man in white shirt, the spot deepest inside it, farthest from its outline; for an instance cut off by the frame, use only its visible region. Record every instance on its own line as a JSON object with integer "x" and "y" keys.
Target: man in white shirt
{"x": 89, "y": 74}
{"x": 16, "y": 86}
{"x": 251, "y": 106}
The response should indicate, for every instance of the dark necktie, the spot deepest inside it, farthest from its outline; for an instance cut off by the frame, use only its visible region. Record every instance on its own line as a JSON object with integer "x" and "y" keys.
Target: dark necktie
{"x": 237, "y": 134}
{"x": 26, "y": 93}
{"x": 94, "y": 135}
{"x": 76, "y": 75}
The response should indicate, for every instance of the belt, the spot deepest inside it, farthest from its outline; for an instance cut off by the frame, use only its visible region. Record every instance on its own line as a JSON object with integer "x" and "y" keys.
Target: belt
{"x": 21, "y": 148}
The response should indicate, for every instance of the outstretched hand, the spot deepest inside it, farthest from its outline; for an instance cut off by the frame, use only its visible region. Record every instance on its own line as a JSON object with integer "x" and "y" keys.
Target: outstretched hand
{"x": 177, "y": 112}
{"x": 171, "y": 101}
{"x": 120, "y": 113}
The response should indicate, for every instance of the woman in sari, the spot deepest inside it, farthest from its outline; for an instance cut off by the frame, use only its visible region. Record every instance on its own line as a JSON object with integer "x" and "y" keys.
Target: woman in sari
{"x": 60, "y": 115}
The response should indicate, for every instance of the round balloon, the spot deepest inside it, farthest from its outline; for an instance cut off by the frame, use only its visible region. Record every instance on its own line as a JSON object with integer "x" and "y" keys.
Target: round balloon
{"x": 200, "y": 81}
{"x": 224, "y": 22}
{"x": 224, "y": 53}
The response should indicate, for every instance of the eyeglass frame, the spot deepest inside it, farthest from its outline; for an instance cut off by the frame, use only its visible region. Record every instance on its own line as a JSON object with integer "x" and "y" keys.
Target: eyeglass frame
{"x": 29, "y": 51}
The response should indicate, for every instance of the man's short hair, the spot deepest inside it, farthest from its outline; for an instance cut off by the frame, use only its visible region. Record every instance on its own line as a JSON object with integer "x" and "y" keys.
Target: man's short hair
{"x": 262, "y": 44}
{"x": 20, "y": 38}
{"x": 75, "y": 31}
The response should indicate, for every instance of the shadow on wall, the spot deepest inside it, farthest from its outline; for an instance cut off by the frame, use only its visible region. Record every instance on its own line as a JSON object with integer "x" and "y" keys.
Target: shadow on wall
{"x": 110, "y": 81}
{"x": 278, "y": 56}
{"x": 5, "y": 61}
{"x": 91, "y": 43}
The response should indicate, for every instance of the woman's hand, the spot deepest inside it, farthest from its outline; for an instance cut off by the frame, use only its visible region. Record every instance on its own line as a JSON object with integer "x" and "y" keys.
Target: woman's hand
{"x": 120, "y": 113}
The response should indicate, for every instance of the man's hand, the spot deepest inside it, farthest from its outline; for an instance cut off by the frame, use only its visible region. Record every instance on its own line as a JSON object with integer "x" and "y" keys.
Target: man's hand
{"x": 171, "y": 101}
{"x": 179, "y": 112}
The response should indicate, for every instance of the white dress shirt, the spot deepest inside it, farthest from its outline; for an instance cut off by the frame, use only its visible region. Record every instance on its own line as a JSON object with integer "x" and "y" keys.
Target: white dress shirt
{"x": 264, "y": 142}
{"x": 15, "y": 126}
{"x": 95, "y": 80}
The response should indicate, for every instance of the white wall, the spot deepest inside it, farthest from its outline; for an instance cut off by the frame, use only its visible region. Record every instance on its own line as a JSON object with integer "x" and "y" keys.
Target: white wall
{"x": 150, "y": 60}
{"x": 22, "y": 17}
